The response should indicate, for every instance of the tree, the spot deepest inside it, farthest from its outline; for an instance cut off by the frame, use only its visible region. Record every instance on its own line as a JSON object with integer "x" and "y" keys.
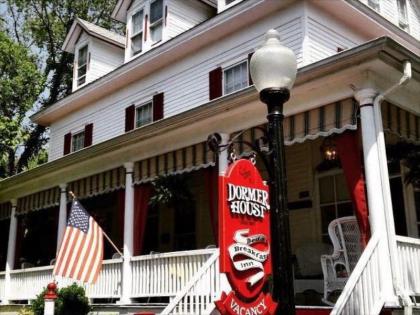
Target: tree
{"x": 42, "y": 25}
{"x": 20, "y": 85}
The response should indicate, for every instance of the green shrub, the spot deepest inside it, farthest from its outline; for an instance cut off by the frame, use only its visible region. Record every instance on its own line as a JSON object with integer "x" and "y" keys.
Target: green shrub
{"x": 71, "y": 300}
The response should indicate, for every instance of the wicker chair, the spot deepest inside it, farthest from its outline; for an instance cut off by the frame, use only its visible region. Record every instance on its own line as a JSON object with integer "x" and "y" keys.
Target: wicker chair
{"x": 345, "y": 236}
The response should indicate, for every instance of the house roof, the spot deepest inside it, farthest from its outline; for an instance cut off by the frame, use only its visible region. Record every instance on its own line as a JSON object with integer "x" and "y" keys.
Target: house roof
{"x": 80, "y": 25}
{"x": 120, "y": 10}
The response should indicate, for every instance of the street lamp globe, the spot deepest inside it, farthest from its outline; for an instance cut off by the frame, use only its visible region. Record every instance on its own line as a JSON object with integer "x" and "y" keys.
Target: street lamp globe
{"x": 273, "y": 66}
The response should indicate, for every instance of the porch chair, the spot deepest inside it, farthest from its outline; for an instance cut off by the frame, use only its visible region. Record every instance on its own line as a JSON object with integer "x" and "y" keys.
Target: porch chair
{"x": 345, "y": 236}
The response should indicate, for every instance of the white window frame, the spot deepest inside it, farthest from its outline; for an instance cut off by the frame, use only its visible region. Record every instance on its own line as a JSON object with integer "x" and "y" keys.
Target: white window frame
{"x": 224, "y": 69}
{"x": 221, "y": 5}
{"x": 73, "y": 135}
{"x": 132, "y": 35}
{"x": 76, "y": 78}
{"x": 143, "y": 104}
{"x": 402, "y": 9}
{"x": 318, "y": 176}
{"x": 157, "y": 22}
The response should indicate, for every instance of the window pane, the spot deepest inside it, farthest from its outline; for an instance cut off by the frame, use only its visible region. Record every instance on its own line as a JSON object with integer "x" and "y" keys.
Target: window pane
{"x": 81, "y": 71}
{"x": 82, "y": 56}
{"x": 156, "y": 32}
{"x": 78, "y": 141}
{"x": 137, "y": 22}
{"x": 327, "y": 215}
{"x": 326, "y": 189}
{"x": 341, "y": 188}
{"x": 156, "y": 11}
{"x": 344, "y": 209}
{"x": 137, "y": 43}
{"x": 144, "y": 115}
{"x": 236, "y": 78}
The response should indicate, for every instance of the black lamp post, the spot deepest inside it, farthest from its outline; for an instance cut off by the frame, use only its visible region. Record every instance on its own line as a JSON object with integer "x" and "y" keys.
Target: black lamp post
{"x": 273, "y": 71}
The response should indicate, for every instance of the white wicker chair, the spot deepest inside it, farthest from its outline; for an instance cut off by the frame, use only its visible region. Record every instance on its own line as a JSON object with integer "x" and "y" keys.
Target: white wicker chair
{"x": 345, "y": 236}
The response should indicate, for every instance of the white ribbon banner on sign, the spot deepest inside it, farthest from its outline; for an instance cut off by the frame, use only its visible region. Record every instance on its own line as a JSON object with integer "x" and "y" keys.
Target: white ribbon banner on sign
{"x": 255, "y": 257}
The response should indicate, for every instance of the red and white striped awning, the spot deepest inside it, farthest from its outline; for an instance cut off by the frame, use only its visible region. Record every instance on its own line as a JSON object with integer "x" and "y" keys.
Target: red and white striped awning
{"x": 399, "y": 122}
{"x": 39, "y": 200}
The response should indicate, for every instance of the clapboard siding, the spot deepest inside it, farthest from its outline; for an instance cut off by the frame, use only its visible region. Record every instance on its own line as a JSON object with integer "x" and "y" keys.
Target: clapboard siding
{"x": 414, "y": 19}
{"x": 185, "y": 14}
{"x": 324, "y": 41}
{"x": 104, "y": 58}
{"x": 176, "y": 81}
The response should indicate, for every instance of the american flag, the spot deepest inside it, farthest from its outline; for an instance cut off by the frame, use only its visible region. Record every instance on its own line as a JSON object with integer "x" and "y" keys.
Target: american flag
{"x": 81, "y": 251}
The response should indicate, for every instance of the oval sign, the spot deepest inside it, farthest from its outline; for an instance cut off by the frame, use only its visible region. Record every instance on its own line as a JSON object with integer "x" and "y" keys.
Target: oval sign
{"x": 244, "y": 229}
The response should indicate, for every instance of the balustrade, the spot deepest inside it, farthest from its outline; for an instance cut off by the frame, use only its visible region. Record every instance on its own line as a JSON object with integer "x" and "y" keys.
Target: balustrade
{"x": 408, "y": 250}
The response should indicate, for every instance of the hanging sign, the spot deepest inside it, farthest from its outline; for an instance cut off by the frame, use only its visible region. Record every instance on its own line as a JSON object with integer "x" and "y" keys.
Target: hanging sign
{"x": 244, "y": 234}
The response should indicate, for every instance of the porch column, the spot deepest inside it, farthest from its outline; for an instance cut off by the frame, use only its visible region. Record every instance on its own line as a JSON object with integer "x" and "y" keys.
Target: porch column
{"x": 11, "y": 247}
{"x": 62, "y": 215}
{"x": 128, "y": 233}
{"x": 376, "y": 198}
{"x": 223, "y": 156}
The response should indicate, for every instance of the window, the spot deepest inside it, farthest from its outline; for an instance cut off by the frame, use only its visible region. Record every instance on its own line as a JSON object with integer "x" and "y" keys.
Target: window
{"x": 374, "y": 4}
{"x": 136, "y": 32}
{"x": 144, "y": 114}
{"x": 235, "y": 77}
{"x": 334, "y": 200}
{"x": 77, "y": 141}
{"x": 156, "y": 20}
{"x": 229, "y": 1}
{"x": 82, "y": 63}
{"x": 402, "y": 14}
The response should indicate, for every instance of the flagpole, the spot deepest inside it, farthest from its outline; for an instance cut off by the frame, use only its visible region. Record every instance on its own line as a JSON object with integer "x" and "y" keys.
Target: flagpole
{"x": 103, "y": 232}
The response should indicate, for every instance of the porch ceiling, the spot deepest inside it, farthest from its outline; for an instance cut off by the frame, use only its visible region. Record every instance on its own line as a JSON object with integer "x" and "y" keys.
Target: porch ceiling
{"x": 377, "y": 63}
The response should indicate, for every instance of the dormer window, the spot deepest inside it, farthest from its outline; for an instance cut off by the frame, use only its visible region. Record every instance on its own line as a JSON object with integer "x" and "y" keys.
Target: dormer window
{"x": 156, "y": 20}
{"x": 82, "y": 64}
{"x": 402, "y": 14}
{"x": 137, "y": 32}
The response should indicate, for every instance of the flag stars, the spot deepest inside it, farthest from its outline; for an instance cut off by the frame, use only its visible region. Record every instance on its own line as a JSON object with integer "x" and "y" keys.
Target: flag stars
{"x": 79, "y": 218}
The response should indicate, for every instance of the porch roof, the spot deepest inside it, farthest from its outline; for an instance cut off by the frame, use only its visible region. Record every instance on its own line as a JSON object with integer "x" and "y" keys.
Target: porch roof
{"x": 241, "y": 110}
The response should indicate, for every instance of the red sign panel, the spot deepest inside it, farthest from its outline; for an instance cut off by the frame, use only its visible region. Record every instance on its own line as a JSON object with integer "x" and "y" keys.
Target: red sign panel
{"x": 244, "y": 234}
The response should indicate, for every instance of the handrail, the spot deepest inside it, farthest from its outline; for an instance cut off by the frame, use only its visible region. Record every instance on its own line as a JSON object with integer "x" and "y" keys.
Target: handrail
{"x": 172, "y": 305}
{"x": 362, "y": 292}
{"x": 195, "y": 252}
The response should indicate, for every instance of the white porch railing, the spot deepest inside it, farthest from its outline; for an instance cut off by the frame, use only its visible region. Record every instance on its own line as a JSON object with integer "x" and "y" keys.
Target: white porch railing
{"x": 408, "y": 250}
{"x": 26, "y": 284}
{"x": 198, "y": 296}
{"x": 362, "y": 293}
{"x": 167, "y": 273}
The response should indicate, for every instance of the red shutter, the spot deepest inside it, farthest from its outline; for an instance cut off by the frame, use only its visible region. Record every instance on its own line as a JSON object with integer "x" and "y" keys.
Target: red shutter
{"x": 67, "y": 143}
{"x": 249, "y": 69}
{"x": 215, "y": 83}
{"x": 129, "y": 118}
{"x": 88, "y": 135}
{"x": 157, "y": 106}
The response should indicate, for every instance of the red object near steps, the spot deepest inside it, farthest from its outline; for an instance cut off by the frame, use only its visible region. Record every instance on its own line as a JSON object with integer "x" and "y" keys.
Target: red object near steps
{"x": 313, "y": 311}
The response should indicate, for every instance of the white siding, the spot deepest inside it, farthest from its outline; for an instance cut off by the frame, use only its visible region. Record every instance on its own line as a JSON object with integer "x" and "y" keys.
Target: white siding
{"x": 414, "y": 18}
{"x": 185, "y": 14}
{"x": 104, "y": 58}
{"x": 184, "y": 83}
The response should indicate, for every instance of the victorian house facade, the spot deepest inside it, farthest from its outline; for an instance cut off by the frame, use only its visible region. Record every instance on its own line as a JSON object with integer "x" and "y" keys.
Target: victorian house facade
{"x": 130, "y": 143}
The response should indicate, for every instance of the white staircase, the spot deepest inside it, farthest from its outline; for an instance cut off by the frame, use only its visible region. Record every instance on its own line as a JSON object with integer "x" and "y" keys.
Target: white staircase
{"x": 199, "y": 294}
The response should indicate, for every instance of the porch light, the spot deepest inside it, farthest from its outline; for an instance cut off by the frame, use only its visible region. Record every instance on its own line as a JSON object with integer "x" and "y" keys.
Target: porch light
{"x": 273, "y": 70}
{"x": 329, "y": 150}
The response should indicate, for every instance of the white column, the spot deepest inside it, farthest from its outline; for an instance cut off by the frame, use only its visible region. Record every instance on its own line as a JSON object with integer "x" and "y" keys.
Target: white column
{"x": 128, "y": 233}
{"x": 11, "y": 247}
{"x": 223, "y": 157}
{"x": 62, "y": 215}
{"x": 376, "y": 199}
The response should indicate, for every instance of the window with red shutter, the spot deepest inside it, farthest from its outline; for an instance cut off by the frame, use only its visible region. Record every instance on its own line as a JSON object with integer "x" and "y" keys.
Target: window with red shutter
{"x": 215, "y": 83}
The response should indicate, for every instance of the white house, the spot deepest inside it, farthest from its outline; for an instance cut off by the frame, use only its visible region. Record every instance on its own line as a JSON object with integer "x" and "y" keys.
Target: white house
{"x": 142, "y": 108}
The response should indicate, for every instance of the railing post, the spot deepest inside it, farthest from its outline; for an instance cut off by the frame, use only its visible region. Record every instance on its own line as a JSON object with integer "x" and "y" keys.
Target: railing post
{"x": 11, "y": 247}
{"x": 49, "y": 299}
{"x": 223, "y": 156}
{"x": 62, "y": 215}
{"x": 376, "y": 199}
{"x": 128, "y": 234}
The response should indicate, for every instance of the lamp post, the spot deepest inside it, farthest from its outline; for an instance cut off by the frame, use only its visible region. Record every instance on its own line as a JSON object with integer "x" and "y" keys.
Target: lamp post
{"x": 273, "y": 71}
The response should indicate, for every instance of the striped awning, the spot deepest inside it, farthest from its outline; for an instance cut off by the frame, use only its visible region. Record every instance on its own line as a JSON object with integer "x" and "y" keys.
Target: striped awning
{"x": 98, "y": 184}
{"x": 5, "y": 210}
{"x": 39, "y": 200}
{"x": 319, "y": 122}
{"x": 183, "y": 160}
{"x": 400, "y": 122}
